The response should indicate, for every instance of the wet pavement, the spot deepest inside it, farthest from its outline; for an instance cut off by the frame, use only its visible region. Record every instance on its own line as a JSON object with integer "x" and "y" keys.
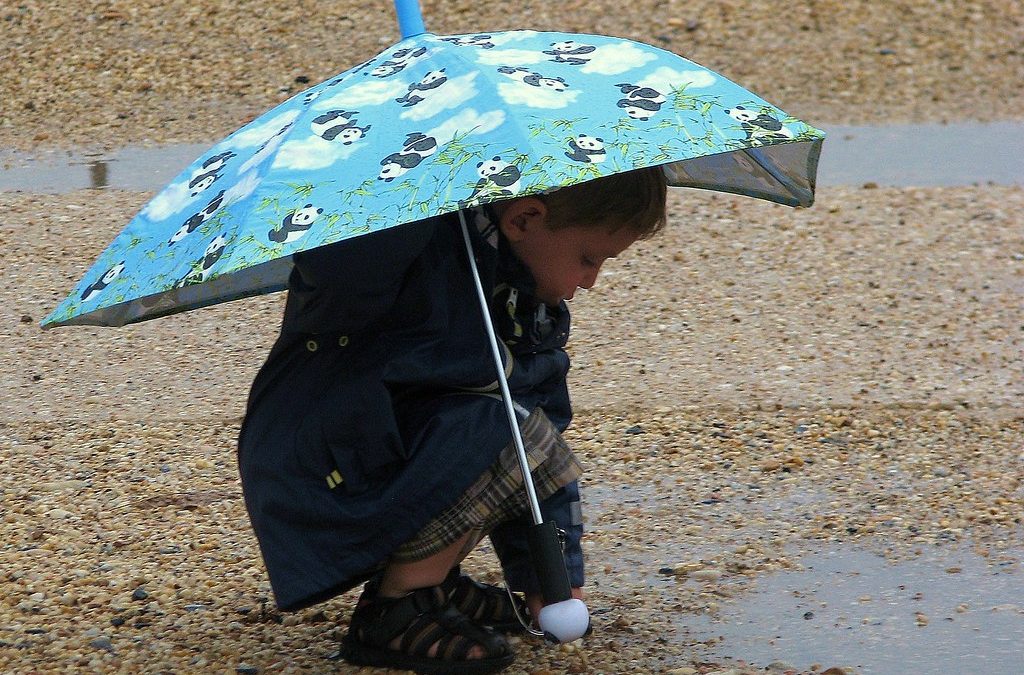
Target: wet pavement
{"x": 965, "y": 153}
{"x": 945, "y": 611}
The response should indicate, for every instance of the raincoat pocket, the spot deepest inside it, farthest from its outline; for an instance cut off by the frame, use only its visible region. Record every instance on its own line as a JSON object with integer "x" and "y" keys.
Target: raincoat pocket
{"x": 353, "y": 438}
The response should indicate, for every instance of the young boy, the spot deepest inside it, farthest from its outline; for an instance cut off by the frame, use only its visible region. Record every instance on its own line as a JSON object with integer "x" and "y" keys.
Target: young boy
{"x": 375, "y": 444}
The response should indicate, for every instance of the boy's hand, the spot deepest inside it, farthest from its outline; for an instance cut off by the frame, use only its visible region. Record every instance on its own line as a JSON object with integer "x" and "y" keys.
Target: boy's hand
{"x": 534, "y": 602}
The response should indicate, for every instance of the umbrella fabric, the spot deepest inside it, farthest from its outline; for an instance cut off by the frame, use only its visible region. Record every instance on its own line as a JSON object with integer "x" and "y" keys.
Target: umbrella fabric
{"x": 430, "y": 126}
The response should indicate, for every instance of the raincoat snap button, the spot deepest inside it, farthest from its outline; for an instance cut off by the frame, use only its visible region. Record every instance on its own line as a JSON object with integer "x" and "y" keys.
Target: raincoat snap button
{"x": 343, "y": 341}
{"x": 312, "y": 345}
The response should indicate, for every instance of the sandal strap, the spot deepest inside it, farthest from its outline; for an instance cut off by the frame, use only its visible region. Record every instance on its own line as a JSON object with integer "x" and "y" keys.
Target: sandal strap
{"x": 482, "y": 602}
{"x": 421, "y": 619}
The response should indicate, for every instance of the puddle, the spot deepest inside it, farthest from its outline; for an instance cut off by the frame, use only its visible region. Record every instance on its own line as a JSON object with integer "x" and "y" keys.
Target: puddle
{"x": 947, "y": 610}
{"x": 898, "y": 155}
{"x": 131, "y": 168}
{"x": 943, "y": 612}
{"x": 938, "y": 155}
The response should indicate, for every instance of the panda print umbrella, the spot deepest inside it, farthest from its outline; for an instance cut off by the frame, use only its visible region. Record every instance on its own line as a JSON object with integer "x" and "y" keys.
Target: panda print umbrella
{"x": 430, "y": 126}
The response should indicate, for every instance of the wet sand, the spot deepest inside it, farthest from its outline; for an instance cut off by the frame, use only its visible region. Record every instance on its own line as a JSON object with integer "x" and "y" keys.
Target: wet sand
{"x": 152, "y": 71}
{"x": 755, "y": 384}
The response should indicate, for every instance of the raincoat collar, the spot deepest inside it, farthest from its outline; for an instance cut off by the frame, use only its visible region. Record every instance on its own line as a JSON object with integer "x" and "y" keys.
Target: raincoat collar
{"x": 520, "y": 317}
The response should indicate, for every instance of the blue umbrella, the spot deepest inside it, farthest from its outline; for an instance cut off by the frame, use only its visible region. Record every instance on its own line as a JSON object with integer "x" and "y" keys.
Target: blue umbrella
{"x": 431, "y": 126}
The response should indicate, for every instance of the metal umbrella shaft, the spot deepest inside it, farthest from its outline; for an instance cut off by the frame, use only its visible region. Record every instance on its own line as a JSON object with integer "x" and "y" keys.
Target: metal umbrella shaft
{"x": 542, "y": 538}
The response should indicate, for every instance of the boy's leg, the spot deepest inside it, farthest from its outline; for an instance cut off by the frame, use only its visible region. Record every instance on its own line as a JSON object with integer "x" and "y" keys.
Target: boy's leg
{"x": 401, "y": 577}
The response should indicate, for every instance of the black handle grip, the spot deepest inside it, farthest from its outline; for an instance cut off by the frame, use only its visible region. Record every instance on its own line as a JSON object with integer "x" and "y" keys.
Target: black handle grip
{"x": 548, "y": 563}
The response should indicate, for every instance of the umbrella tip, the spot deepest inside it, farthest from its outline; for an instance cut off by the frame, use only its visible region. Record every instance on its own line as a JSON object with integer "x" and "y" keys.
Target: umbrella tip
{"x": 410, "y": 19}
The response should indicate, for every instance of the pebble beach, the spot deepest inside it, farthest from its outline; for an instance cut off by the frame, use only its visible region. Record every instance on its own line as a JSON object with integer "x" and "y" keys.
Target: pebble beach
{"x": 754, "y": 385}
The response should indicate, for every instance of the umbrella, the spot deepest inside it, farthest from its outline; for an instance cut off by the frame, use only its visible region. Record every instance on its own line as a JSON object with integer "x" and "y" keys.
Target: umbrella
{"x": 431, "y": 126}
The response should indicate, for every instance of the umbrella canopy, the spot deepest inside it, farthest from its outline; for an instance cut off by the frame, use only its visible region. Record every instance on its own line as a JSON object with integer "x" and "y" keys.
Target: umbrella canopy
{"x": 430, "y": 126}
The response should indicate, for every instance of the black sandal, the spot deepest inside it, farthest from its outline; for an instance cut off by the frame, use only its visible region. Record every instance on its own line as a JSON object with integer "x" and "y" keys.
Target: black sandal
{"x": 485, "y": 604}
{"x": 420, "y": 620}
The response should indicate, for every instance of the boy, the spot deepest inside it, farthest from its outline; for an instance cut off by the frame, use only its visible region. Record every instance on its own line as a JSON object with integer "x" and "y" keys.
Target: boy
{"x": 375, "y": 444}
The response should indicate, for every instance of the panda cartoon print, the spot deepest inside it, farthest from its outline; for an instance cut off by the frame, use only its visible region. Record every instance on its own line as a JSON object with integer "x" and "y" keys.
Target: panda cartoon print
{"x": 93, "y": 290}
{"x": 419, "y": 91}
{"x": 478, "y": 41}
{"x": 640, "y": 103}
{"x": 295, "y": 225}
{"x": 759, "y": 126}
{"x": 416, "y": 148}
{"x": 338, "y": 125}
{"x": 214, "y": 251}
{"x": 190, "y": 225}
{"x": 208, "y": 173}
{"x": 398, "y": 61}
{"x": 571, "y": 52}
{"x": 586, "y": 149}
{"x": 527, "y": 76}
{"x": 498, "y": 180}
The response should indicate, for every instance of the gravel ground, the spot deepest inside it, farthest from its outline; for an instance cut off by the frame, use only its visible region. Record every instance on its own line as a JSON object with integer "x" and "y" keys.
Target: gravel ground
{"x": 775, "y": 379}
{"x": 113, "y": 72}
{"x": 755, "y": 383}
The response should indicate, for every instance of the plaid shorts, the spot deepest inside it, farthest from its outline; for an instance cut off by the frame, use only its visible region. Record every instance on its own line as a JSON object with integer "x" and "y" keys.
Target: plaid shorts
{"x": 499, "y": 495}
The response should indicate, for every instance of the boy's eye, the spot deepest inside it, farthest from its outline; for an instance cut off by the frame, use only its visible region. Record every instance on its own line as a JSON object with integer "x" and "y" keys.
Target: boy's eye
{"x": 588, "y": 262}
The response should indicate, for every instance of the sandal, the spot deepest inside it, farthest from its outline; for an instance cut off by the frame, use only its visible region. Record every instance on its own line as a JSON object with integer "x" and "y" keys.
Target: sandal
{"x": 420, "y": 620}
{"x": 489, "y": 605}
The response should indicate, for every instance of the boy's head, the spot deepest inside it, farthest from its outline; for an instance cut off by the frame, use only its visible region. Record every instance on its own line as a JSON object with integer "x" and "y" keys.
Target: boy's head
{"x": 565, "y": 236}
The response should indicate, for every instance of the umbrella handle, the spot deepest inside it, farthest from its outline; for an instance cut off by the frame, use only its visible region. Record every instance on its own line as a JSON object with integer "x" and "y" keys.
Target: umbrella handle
{"x": 410, "y": 19}
{"x": 542, "y": 538}
{"x": 506, "y": 395}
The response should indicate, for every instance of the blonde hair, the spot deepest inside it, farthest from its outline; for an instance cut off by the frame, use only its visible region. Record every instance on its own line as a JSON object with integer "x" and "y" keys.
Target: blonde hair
{"x": 634, "y": 199}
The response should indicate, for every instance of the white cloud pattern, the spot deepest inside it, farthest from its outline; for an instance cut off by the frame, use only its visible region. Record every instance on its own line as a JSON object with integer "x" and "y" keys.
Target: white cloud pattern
{"x": 311, "y": 153}
{"x": 664, "y": 79}
{"x": 615, "y": 59}
{"x": 467, "y": 121}
{"x": 371, "y": 92}
{"x": 451, "y": 94}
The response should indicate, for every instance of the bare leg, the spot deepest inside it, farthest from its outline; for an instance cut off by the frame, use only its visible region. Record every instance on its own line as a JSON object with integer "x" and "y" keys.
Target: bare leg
{"x": 400, "y": 578}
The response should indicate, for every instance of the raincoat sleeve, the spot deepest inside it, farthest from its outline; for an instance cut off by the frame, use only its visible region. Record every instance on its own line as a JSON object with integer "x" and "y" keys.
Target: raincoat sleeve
{"x": 347, "y": 286}
{"x": 509, "y": 540}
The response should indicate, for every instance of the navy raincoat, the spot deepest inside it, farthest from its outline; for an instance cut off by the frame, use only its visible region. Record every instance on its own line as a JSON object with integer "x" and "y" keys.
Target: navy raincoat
{"x": 375, "y": 409}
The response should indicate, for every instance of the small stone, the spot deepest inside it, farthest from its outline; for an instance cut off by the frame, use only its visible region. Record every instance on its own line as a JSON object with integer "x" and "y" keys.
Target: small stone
{"x": 25, "y": 318}
{"x": 684, "y": 670}
{"x": 246, "y": 669}
{"x": 635, "y": 429}
{"x": 706, "y": 575}
{"x": 808, "y": 616}
{"x": 140, "y": 594}
{"x": 921, "y": 619}
{"x": 102, "y": 643}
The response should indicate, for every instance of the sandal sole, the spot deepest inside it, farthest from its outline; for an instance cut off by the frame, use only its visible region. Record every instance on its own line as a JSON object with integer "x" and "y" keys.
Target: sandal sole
{"x": 361, "y": 655}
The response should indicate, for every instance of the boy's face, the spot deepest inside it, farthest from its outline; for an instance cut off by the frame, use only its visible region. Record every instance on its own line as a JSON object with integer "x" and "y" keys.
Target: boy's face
{"x": 563, "y": 259}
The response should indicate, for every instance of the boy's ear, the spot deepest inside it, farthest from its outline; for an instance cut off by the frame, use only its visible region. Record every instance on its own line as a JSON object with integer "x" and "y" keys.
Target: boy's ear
{"x": 521, "y": 216}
